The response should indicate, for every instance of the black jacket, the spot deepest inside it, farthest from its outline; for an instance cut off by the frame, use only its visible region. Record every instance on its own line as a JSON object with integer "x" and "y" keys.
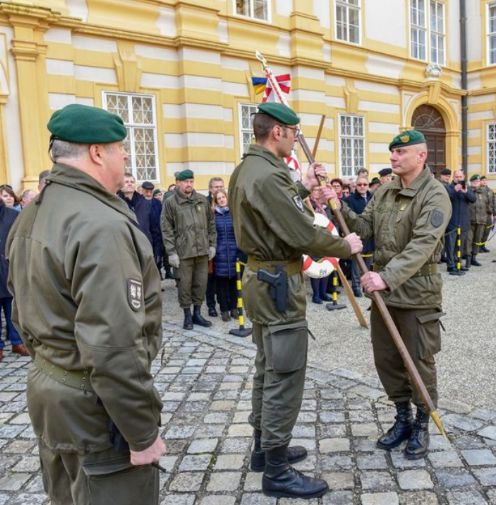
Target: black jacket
{"x": 357, "y": 204}
{"x": 7, "y": 218}
{"x": 460, "y": 202}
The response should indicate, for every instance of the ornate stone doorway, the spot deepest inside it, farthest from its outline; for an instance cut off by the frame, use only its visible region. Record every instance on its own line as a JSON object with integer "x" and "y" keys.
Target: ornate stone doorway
{"x": 429, "y": 121}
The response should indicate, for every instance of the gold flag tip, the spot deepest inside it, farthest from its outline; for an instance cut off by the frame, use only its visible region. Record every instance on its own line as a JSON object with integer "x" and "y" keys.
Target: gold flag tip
{"x": 435, "y": 416}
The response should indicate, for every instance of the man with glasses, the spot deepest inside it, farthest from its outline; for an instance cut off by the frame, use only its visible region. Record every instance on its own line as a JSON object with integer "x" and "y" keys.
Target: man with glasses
{"x": 357, "y": 202}
{"x": 274, "y": 228}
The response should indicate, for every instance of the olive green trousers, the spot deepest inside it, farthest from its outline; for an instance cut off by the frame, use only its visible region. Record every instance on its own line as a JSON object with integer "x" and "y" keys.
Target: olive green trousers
{"x": 101, "y": 478}
{"x": 193, "y": 278}
{"x": 420, "y": 331}
{"x": 279, "y": 380}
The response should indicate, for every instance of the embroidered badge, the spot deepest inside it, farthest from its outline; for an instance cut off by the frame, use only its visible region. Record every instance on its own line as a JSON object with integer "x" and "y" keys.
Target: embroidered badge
{"x": 437, "y": 218}
{"x": 134, "y": 294}
{"x": 405, "y": 138}
{"x": 298, "y": 202}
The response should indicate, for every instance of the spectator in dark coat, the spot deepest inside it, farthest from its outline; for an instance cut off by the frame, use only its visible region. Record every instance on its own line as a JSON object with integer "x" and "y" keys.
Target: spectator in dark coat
{"x": 461, "y": 195}
{"x": 357, "y": 202}
{"x": 7, "y": 218}
{"x": 144, "y": 214}
{"x": 225, "y": 258}
{"x": 147, "y": 190}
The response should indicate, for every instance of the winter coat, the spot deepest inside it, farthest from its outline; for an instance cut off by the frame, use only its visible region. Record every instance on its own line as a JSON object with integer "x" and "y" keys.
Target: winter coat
{"x": 460, "y": 202}
{"x": 357, "y": 204}
{"x": 7, "y": 218}
{"x": 227, "y": 250}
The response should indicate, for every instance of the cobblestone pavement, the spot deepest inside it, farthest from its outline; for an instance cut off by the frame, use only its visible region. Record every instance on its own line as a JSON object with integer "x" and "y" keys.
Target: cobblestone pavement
{"x": 204, "y": 377}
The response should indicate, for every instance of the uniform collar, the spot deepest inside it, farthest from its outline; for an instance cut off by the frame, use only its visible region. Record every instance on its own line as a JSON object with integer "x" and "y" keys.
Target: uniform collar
{"x": 413, "y": 188}
{"x": 263, "y": 152}
{"x": 74, "y": 178}
{"x": 181, "y": 199}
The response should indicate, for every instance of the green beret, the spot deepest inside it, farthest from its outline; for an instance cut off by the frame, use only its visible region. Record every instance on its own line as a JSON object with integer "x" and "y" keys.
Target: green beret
{"x": 475, "y": 177}
{"x": 375, "y": 180}
{"x": 185, "y": 174}
{"x": 82, "y": 124}
{"x": 280, "y": 112}
{"x": 157, "y": 192}
{"x": 407, "y": 138}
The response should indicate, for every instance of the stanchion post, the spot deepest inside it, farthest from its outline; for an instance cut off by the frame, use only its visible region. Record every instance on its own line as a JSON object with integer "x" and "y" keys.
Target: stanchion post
{"x": 458, "y": 253}
{"x": 335, "y": 305}
{"x": 241, "y": 331}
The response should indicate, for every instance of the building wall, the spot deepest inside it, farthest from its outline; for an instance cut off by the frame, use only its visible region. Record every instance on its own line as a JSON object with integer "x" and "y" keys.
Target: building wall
{"x": 196, "y": 58}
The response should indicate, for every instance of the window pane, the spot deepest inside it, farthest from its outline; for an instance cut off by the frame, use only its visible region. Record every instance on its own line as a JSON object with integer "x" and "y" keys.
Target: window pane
{"x": 261, "y": 9}
{"x": 243, "y": 7}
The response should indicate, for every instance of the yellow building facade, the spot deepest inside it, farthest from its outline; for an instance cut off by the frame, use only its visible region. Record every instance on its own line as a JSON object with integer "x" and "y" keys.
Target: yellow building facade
{"x": 179, "y": 73}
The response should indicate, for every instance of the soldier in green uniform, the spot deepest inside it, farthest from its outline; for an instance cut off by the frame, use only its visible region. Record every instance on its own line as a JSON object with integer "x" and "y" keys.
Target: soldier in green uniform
{"x": 407, "y": 217}
{"x": 190, "y": 238}
{"x": 274, "y": 228}
{"x": 479, "y": 210}
{"x": 490, "y": 216}
{"x": 87, "y": 305}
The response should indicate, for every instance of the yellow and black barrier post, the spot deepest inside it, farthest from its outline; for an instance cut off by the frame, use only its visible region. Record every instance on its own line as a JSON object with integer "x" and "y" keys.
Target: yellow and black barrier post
{"x": 241, "y": 331}
{"x": 458, "y": 253}
{"x": 335, "y": 305}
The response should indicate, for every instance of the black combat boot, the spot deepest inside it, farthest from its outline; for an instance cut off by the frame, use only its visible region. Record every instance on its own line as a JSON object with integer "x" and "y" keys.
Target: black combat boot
{"x": 282, "y": 480}
{"x": 295, "y": 454}
{"x": 401, "y": 429}
{"x": 475, "y": 262}
{"x": 199, "y": 319}
{"x": 468, "y": 262}
{"x": 418, "y": 445}
{"x": 188, "y": 321}
{"x": 484, "y": 249}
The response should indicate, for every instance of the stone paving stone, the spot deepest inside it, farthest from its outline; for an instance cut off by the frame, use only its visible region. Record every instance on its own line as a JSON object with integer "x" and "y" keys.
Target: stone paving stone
{"x": 168, "y": 462}
{"x": 462, "y": 422}
{"x": 336, "y": 463}
{"x": 438, "y": 442}
{"x": 333, "y": 431}
{"x": 257, "y": 499}
{"x": 308, "y": 443}
{"x": 470, "y": 497}
{"x": 191, "y": 463}
{"x": 307, "y": 417}
{"x": 186, "y": 482}
{"x": 372, "y": 462}
{"x": 453, "y": 406}
{"x": 328, "y": 445}
{"x": 27, "y": 464}
{"x": 340, "y": 480}
{"x": 361, "y": 416}
{"x": 365, "y": 445}
{"x": 240, "y": 430}
{"x": 418, "y": 498}
{"x": 10, "y": 432}
{"x": 253, "y": 481}
{"x": 467, "y": 442}
{"x": 399, "y": 461}
{"x": 338, "y": 498}
{"x": 29, "y": 499}
{"x": 331, "y": 417}
{"x": 178, "y": 499}
{"x": 488, "y": 432}
{"x": 380, "y": 499}
{"x": 203, "y": 446}
{"x": 483, "y": 414}
{"x": 4, "y": 498}
{"x": 224, "y": 481}
{"x": 179, "y": 432}
{"x": 491, "y": 494}
{"x": 216, "y": 418}
{"x": 479, "y": 457}
{"x": 454, "y": 478}
{"x": 377, "y": 481}
{"x": 14, "y": 481}
{"x": 445, "y": 459}
{"x": 486, "y": 476}
{"x": 307, "y": 465}
{"x": 364, "y": 430}
{"x": 414, "y": 479}
{"x": 235, "y": 445}
{"x": 229, "y": 462}
{"x": 218, "y": 500}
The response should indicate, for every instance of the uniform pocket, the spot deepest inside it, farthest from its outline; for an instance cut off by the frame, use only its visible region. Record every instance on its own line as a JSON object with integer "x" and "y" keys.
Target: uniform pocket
{"x": 117, "y": 481}
{"x": 429, "y": 334}
{"x": 286, "y": 347}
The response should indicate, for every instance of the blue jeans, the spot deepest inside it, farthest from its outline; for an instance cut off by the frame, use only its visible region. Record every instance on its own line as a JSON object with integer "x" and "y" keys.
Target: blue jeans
{"x": 12, "y": 335}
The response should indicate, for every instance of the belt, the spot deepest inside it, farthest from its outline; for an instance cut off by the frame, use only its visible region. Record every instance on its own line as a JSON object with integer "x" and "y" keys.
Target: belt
{"x": 427, "y": 269}
{"x": 290, "y": 267}
{"x": 79, "y": 380}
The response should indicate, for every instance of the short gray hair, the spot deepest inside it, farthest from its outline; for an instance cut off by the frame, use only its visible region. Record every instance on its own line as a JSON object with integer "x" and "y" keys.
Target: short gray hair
{"x": 69, "y": 150}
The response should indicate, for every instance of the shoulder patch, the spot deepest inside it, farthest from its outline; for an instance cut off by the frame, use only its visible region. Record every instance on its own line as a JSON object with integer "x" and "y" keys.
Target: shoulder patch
{"x": 437, "y": 218}
{"x": 299, "y": 203}
{"x": 135, "y": 294}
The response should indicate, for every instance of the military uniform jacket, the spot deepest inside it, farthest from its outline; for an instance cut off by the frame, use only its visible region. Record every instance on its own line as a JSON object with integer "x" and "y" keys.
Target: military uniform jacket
{"x": 482, "y": 207}
{"x": 272, "y": 224}
{"x": 188, "y": 225}
{"x": 87, "y": 297}
{"x": 408, "y": 225}
{"x": 492, "y": 201}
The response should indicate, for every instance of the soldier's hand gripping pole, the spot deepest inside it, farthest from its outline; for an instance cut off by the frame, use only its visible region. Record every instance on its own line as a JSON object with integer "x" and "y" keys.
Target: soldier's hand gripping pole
{"x": 412, "y": 370}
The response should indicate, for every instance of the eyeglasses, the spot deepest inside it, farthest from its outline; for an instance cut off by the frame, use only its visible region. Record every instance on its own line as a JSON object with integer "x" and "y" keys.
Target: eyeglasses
{"x": 296, "y": 131}
{"x": 365, "y": 184}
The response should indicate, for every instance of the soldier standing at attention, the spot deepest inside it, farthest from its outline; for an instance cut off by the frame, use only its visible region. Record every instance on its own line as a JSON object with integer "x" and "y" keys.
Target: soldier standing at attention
{"x": 274, "y": 228}
{"x": 407, "y": 217}
{"x": 87, "y": 305}
{"x": 190, "y": 238}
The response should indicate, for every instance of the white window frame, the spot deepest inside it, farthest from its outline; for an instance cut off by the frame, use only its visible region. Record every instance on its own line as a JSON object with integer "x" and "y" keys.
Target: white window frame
{"x": 354, "y": 168}
{"x": 428, "y": 31}
{"x": 130, "y": 142}
{"x": 491, "y": 168}
{"x": 253, "y": 108}
{"x": 490, "y": 35}
{"x": 344, "y": 4}
{"x": 251, "y": 14}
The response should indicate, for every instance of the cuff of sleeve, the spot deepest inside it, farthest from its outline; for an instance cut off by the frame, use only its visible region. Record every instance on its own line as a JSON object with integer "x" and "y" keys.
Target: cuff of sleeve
{"x": 144, "y": 442}
{"x": 302, "y": 191}
{"x": 389, "y": 282}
